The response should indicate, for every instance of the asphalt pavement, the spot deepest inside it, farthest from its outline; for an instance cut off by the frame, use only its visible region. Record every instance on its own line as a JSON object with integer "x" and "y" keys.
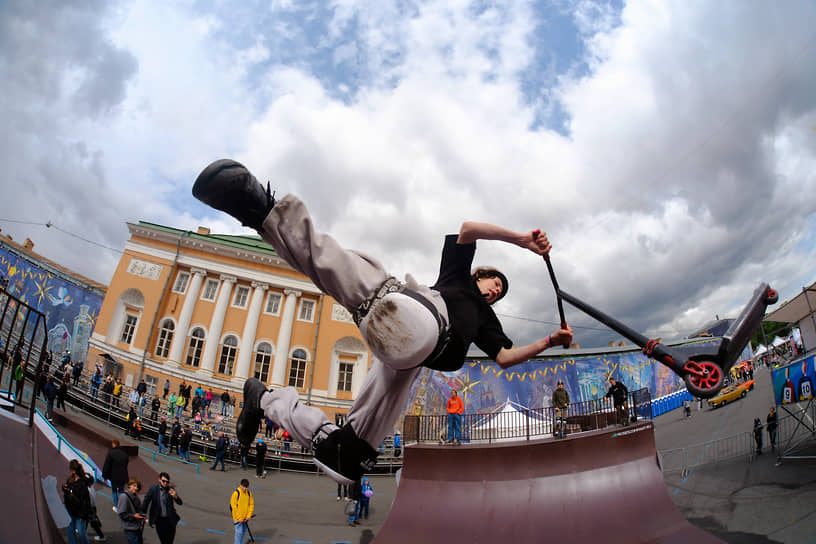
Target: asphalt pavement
{"x": 746, "y": 499}
{"x": 742, "y": 501}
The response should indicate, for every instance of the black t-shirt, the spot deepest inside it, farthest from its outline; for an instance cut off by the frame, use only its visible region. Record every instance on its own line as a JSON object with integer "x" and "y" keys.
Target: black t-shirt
{"x": 471, "y": 318}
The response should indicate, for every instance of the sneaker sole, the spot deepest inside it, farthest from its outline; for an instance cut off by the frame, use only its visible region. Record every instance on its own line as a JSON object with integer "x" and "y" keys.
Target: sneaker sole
{"x": 336, "y": 476}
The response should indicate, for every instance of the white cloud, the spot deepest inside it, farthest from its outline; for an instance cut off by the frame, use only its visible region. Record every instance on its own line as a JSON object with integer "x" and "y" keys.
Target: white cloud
{"x": 685, "y": 178}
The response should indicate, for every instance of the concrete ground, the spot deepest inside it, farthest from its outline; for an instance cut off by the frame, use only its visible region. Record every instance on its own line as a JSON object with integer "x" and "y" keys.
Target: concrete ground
{"x": 745, "y": 501}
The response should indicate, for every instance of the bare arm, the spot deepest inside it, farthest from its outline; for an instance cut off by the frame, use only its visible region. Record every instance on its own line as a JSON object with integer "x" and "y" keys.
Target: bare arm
{"x": 535, "y": 240}
{"x": 515, "y": 355}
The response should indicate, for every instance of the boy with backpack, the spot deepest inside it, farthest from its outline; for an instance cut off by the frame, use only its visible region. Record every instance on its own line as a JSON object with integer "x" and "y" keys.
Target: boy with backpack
{"x": 242, "y": 504}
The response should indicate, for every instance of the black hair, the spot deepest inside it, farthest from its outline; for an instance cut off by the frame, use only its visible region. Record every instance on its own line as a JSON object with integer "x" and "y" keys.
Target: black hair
{"x": 490, "y": 272}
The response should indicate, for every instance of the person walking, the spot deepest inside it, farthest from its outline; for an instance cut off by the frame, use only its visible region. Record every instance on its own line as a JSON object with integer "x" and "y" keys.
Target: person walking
{"x": 166, "y": 388}
{"x": 50, "y": 392}
{"x": 397, "y": 444}
{"x": 455, "y": 407}
{"x": 130, "y": 511}
{"x": 367, "y": 491}
{"x": 220, "y": 451}
{"x": 95, "y": 522}
{"x": 243, "y": 452}
{"x": 353, "y": 509}
{"x": 115, "y": 469}
{"x": 260, "y": 458}
{"x": 18, "y": 374}
{"x": 160, "y": 504}
{"x": 77, "y": 502}
{"x": 175, "y": 436}
{"x": 62, "y": 392}
{"x": 242, "y": 504}
{"x": 155, "y": 404}
{"x": 406, "y": 325}
{"x": 560, "y": 402}
{"x": 225, "y": 401}
{"x": 161, "y": 435}
{"x": 181, "y": 404}
{"x": 619, "y": 394}
{"x": 758, "y": 435}
{"x": 770, "y": 425}
{"x": 184, "y": 443}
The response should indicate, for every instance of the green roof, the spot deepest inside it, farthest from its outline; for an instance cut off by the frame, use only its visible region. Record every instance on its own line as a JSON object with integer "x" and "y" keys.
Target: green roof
{"x": 241, "y": 241}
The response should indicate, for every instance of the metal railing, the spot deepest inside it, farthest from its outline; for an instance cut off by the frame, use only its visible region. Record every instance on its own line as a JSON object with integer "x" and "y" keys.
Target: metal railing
{"x": 512, "y": 422}
{"x": 23, "y": 335}
{"x": 739, "y": 446}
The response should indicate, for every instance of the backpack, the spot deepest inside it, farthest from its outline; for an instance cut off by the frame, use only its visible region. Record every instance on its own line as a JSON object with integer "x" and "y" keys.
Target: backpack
{"x": 229, "y": 504}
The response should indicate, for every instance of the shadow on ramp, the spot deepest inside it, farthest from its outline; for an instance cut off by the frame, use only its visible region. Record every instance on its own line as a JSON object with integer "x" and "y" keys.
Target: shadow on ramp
{"x": 600, "y": 486}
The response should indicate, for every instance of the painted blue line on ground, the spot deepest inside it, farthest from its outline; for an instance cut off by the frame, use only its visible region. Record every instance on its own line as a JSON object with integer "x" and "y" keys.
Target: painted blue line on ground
{"x": 216, "y": 532}
{"x": 676, "y": 491}
{"x": 301, "y": 542}
{"x": 308, "y": 492}
{"x": 283, "y": 491}
{"x": 341, "y": 542}
{"x": 182, "y": 523}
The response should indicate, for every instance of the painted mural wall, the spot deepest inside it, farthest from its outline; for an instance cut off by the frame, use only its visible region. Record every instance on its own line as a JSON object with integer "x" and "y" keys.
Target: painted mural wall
{"x": 485, "y": 387}
{"x": 70, "y": 310}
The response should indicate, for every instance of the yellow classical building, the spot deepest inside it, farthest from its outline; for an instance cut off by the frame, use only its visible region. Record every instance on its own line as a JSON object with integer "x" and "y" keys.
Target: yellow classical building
{"x": 216, "y": 309}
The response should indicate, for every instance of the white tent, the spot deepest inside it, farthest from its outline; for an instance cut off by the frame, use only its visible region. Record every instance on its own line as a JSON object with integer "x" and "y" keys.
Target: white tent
{"x": 511, "y": 422}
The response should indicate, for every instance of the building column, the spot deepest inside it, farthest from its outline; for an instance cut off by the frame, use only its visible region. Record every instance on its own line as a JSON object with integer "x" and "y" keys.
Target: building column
{"x": 250, "y": 329}
{"x": 216, "y": 324}
{"x": 284, "y": 337}
{"x": 180, "y": 335}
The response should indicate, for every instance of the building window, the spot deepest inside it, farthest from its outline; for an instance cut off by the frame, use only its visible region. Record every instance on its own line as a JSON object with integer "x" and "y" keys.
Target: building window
{"x": 129, "y": 327}
{"x": 181, "y": 282}
{"x": 263, "y": 358}
{"x": 273, "y": 304}
{"x": 297, "y": 369}
{"x": 241, "y": 296}
{"x": 152, "y": 383}
{"x": 195, "y": 346}
{"x": 306, "y": 310}
{"x": 228, "y": 351}
{"x": 165, "y": 338}
{"x": 210, "y": 290}
{"x": 344, "y": 376}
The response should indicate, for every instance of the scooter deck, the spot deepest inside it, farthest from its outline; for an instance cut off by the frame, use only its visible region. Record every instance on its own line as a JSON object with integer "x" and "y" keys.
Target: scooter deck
{"x": 745, "y": 325}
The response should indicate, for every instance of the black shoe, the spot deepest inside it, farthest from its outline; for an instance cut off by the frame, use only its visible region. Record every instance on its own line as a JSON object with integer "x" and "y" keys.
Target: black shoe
{"x": 249, "y": 421}
{"x": 343, "y": 455}
{"x": 228, "y": 186}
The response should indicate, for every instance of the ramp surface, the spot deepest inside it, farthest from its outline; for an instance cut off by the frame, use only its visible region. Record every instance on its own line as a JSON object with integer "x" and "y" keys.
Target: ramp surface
{"x": 601, "y": 486}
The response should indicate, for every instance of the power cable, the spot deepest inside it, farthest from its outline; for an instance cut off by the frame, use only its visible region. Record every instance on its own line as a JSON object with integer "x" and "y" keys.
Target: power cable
{"x": 50, "y": 224}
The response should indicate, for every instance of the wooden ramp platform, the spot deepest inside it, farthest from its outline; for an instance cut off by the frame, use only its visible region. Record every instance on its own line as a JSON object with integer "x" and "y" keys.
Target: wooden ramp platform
{"x": 601, "y": 486}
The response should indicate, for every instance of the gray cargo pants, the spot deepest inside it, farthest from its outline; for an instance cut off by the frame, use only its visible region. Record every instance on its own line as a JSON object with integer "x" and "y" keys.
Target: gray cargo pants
{"x": 400, "y": 332}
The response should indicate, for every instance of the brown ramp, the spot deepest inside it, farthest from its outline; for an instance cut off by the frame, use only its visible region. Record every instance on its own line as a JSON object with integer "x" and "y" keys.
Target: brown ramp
{"x": 601, "y": 486}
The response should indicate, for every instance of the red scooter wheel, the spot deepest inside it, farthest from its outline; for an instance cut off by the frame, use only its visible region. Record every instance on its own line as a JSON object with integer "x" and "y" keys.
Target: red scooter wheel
{"x": 704, "y": 379}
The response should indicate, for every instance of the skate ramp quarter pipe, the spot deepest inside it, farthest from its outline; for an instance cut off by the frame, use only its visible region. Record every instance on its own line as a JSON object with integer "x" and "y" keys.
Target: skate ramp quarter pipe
{"x": 601, "y": 486}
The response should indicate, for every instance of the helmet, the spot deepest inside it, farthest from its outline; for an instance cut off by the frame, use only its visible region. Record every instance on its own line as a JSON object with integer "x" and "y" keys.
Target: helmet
{"x": 490, "y": 272}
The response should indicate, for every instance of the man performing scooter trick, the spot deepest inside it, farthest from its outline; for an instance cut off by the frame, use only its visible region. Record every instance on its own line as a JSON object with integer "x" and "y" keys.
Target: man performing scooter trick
{"x": 405, "y": 325}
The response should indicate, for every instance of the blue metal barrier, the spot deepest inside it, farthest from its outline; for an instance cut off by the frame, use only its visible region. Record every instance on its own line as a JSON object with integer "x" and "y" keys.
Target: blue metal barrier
{"x": 155, "y": 453}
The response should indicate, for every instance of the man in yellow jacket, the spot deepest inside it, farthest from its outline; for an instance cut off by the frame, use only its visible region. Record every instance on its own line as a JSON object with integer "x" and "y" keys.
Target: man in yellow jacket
{"x": 241, "y": 504}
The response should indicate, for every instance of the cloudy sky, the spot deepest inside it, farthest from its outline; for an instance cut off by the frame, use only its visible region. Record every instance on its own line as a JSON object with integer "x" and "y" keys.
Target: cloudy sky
{"x": 668, "y": 149}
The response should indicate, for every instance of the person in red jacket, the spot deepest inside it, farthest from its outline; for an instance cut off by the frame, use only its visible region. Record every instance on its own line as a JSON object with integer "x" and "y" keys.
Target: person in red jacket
{"x": 455, "y": 409}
